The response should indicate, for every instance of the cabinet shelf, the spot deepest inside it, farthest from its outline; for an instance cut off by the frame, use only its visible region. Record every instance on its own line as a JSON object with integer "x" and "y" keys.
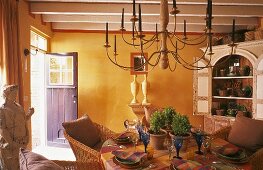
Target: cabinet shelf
{"x": 240, "y": 98}
{"x": 236, "y": 77}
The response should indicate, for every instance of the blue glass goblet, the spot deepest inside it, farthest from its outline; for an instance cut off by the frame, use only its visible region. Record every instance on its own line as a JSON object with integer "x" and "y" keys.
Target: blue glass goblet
{"x": 145, "y": 139}
{"x": 140, "y": 131}
{"x": 199, "y": 140}
{"x": 178, "y": 143}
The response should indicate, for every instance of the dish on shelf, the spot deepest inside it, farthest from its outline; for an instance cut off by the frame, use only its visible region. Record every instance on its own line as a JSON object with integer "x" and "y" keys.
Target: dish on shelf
{"x": 231, "y": 75}
{"x": 244, "y": 71}
{"x": 247, "y": 90}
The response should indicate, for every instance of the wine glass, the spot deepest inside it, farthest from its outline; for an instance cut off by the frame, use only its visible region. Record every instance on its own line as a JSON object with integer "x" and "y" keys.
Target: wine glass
{"x": 145, "y": 137}
{"x": 170, "y": 146}
{"x": 206, "y": 145}
{"x": 199, "y": 140}
{"x": 134, "y": 139}
{"x": 139, "y": 128}
{"x": 178, "y": 143}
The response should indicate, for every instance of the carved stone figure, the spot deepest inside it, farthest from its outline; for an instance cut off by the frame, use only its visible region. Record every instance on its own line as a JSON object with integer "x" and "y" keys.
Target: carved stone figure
{"x": 13, "y": 129}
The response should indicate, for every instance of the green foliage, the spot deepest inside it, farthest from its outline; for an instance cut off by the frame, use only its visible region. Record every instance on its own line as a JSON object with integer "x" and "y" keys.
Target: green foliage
{"x": 181, "y": 125}
{"x": 169, "y": 113}
{"x": 157, "y": 121}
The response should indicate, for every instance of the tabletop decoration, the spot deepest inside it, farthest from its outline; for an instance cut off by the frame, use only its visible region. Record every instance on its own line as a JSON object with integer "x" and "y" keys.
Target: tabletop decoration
{"x": 145, "y": 137}
{"x": 129, "y": 156}
{"x": 124, "y": 137}
{"x": 181, "y": 164}
{"x": 178, "y": 143}
{"x": 199, "y": 136}
{"x": 139, "y": 128}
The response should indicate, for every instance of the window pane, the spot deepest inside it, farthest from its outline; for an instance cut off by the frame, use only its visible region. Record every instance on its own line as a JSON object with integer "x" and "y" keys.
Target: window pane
{"x": 33, "y": 39}
{"x": 42, "y": 43}
{"x": 67, "y": 63}
{"x": 54, "y": 63}
{"x": 67, "y": 78}
{"x": 54, "y": 77}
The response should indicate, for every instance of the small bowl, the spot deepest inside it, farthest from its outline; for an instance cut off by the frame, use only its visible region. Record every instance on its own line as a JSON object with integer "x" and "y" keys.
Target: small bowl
{"x": 222, "y": 93}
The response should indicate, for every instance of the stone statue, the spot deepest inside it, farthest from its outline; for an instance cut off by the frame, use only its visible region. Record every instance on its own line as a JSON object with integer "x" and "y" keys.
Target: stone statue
{"x": 13, "y": 129}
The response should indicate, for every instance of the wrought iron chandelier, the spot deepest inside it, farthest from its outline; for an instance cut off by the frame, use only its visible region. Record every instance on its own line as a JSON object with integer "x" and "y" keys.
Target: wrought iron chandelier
{"x": 163, "y": 56}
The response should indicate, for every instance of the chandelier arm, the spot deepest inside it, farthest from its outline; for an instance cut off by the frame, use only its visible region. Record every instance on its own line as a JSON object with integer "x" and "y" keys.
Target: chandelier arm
{"x": 169, "y": 65}
{"x": 127, "y": 41}
{"x": 201, "y": 57}
{"x": 170, "y": 38}
{"x": 115, "y": 63}
{"x": 184, "y": 62}
{"x": 197, "y": 43}
{"x": 157, "y": 61}
{"x": 194, "y": 67}
{"x": 193, "y": 39}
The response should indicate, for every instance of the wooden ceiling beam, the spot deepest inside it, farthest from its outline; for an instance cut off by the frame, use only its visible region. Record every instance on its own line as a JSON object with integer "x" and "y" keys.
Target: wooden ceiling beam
{"x": 149, "y": 19}
{"x": 215, "y": 2}
{"x": 146, "y": 27}
{"x": 147, "y": 9}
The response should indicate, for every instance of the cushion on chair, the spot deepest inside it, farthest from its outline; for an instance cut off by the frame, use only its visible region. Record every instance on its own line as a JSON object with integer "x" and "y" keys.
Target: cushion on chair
{"x": 31, "y": 161}
{"x": 83, "y": 130}
{"x": 247, "y": 133}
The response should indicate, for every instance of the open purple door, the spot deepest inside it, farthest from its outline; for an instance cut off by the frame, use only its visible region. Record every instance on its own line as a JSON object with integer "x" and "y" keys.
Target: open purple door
{"x": 62, "y": 90}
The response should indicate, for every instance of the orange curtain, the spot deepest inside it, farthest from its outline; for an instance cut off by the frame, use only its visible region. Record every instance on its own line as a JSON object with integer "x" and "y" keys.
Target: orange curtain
{"x": 10, "y": 61}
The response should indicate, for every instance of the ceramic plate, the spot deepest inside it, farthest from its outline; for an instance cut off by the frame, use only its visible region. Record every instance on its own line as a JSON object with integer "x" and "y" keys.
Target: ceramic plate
{"x": 239, "y": 157}
{"x": 127, "y": 164}
{"x": 123, "y": 140}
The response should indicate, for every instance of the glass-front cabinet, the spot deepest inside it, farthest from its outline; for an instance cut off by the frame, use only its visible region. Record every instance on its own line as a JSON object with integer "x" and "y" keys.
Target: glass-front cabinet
{"x": 233, "y": 84}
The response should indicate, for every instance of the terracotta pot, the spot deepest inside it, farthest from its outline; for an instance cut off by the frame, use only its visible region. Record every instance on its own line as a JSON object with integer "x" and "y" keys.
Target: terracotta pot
{"x": 157, "y": 141}
{"x": 185, "y": 142}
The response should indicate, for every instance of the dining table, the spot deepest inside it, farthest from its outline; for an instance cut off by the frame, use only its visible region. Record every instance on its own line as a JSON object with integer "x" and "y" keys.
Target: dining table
{"x": 161, "y": 161}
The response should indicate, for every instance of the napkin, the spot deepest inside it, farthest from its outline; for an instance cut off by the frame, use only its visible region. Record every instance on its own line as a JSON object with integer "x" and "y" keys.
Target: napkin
{"x": 182, "y": 164}
{"x": 227, "y": 149}
{"x": 129, "y": 155}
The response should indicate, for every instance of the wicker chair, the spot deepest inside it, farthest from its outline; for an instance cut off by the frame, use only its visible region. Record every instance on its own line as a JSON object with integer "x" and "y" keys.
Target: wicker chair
{"x": 255, "y": 159}
{"x": 74, "y": 165}
{"x": 84, "y": 153}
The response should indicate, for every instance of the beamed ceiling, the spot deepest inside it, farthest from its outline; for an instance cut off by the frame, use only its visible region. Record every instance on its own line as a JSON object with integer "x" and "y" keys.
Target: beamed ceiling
{"x": 93, "y": 14}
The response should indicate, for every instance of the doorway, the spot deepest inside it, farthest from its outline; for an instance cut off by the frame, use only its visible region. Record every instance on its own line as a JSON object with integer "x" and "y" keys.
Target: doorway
{"x": 53, "y": 93}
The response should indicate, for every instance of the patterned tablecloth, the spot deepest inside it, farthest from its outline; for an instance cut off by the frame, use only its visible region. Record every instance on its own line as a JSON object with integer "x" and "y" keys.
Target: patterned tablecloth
{"x": 161, "y": 158}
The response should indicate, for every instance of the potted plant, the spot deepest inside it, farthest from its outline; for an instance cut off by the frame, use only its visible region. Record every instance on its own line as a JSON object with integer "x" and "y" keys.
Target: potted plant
{"x": 168, "y": 114}
{"x": 181, "y": 127}
{"x": 157, "y": 135}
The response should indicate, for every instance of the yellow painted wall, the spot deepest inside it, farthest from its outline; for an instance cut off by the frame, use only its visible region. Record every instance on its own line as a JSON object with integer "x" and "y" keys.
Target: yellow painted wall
{"x": 104, "y": 89}
{"x": 25, "y": 23}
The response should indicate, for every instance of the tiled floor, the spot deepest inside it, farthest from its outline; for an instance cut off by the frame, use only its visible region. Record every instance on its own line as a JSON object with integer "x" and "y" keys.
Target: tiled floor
{"x": 54, "y": 153}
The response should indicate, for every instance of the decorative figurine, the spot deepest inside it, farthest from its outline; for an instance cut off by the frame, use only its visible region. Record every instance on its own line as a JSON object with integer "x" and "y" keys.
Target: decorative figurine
{"x": 14, "y": 132}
